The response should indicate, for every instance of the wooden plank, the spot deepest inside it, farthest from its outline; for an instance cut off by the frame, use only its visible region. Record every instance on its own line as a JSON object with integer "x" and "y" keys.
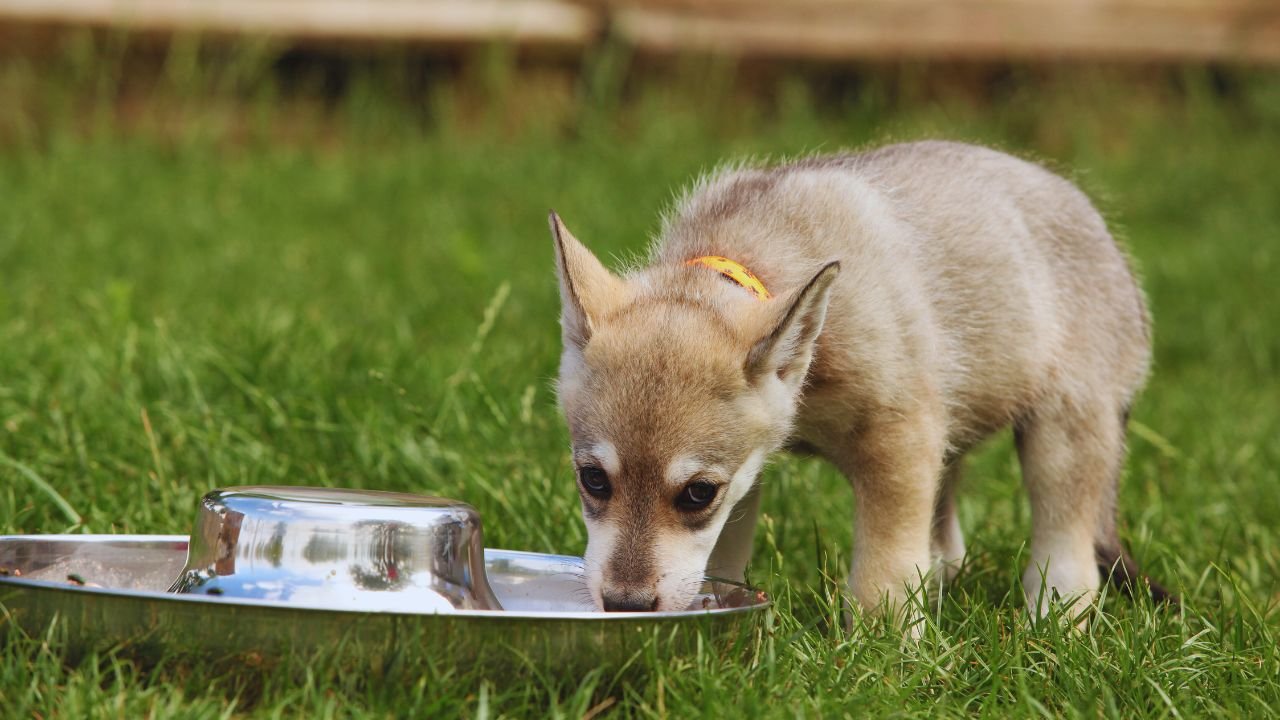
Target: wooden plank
{"x": 533, "y": 22}
{"x": 1246, "y": 30}
{"x": 1237, "y": 30}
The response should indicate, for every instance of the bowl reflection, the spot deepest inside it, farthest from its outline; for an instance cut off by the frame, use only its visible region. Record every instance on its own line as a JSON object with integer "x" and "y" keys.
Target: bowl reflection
{"x": 338, "y": 549}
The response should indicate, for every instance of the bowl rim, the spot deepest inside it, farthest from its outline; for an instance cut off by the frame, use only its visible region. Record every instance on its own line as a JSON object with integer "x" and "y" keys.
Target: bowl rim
{"x": 338, "y": 497}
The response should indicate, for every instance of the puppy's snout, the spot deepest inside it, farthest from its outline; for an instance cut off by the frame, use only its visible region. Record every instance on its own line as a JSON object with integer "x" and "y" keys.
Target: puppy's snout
{"x": 615, "y": 601}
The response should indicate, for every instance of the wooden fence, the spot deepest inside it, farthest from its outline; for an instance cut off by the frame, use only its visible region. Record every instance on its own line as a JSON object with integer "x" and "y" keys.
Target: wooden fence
{"x": 1229, "y": 30}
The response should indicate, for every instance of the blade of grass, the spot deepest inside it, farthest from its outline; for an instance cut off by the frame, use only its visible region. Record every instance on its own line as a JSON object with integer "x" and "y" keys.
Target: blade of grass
{"x": 43, "y": 486}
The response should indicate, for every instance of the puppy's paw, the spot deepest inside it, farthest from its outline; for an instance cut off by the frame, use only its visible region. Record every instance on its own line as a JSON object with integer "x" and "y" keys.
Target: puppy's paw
{"x": 1068, "y": 592}
{"x": 902, "y": 609}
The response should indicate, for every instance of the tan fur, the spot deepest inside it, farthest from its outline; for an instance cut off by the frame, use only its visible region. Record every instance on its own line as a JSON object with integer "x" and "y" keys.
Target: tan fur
{"x": 973, "y": 291}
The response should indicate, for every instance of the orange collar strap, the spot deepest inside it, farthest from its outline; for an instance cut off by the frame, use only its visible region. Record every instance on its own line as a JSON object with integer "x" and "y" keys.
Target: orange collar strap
{"x": 735, "y": 271}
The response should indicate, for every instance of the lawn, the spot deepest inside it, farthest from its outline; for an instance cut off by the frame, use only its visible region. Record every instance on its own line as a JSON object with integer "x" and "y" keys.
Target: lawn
{"x": 227, "y": 284}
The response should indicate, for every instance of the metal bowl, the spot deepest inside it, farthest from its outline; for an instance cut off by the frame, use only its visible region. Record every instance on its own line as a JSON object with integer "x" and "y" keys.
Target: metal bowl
{"x": 108, "y": 593}
{"x": 338, "y": 549}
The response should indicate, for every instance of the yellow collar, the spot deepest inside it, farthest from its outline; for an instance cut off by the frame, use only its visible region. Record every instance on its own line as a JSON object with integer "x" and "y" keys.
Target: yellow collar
{"x": 735, "y": 271}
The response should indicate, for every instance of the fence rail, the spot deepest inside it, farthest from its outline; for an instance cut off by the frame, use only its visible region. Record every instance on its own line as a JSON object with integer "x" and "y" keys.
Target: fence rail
{"x": 1235, "y": 30}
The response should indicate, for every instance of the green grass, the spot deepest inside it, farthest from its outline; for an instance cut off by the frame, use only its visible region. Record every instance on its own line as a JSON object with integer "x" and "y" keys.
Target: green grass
{"x": 361, "y": 295}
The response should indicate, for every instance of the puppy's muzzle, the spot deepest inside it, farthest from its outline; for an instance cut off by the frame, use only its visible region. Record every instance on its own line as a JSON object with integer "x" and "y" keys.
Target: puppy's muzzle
{"x": 631, "y": 601}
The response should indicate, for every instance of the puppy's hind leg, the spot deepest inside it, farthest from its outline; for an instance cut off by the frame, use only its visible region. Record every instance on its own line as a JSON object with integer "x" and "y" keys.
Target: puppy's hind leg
{"x": 1070, "y": 451}
{"x": 948, "y": 541}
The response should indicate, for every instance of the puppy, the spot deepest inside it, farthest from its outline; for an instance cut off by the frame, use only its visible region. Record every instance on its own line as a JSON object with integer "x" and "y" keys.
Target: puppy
{"x": 886, "y": 310}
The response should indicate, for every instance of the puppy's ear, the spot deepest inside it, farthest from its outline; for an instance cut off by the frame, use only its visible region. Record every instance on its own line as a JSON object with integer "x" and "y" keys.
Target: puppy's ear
{"x": 794, "y": 325}
{"x": 588, "y": 291}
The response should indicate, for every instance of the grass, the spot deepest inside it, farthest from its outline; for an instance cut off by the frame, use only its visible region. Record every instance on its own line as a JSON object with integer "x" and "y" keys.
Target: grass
{"x": 359, "y": 293}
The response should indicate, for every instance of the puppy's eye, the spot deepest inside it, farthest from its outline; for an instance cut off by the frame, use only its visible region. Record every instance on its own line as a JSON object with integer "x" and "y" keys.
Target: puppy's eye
{"x": 595, "y": 482}
{"x": 696, "y": 495}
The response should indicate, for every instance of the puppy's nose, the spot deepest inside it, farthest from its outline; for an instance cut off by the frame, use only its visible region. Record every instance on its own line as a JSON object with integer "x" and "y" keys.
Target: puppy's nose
{"x": 629, "y": 602}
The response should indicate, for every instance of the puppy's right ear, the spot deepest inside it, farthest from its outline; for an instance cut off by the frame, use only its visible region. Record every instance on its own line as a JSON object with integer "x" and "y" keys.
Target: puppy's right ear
{"x": 788, "y": 347}
{"x": 588, "y": 291}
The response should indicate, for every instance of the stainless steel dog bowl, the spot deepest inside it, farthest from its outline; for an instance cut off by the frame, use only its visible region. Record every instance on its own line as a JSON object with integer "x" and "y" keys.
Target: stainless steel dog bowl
{"x": 111, "y": 592}
{"x": 327, "y": 548}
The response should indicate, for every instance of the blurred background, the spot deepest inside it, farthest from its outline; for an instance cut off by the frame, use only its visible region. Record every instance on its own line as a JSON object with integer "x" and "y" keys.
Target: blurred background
{"x": 304, "y": 240}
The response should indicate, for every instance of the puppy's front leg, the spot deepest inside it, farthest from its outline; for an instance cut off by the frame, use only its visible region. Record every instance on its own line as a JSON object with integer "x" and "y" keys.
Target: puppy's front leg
{"x": 733, "y": 548}
{"x": 894, "y": 468}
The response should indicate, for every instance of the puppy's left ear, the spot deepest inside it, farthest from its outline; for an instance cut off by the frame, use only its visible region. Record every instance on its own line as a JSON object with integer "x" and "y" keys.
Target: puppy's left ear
{"x": 787, "y": 349}
{"x": 588, "y": 291}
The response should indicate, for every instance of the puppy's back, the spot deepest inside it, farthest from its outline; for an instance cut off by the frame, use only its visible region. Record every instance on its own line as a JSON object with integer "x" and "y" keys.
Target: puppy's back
{"x": 1007, "y": 242}
{"x": 996, "y": 276}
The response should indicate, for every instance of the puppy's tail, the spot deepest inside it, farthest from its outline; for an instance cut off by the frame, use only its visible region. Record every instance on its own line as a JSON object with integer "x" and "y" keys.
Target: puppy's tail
{"x": 1114, "y": 561}
{"x": 1121, "y": 570}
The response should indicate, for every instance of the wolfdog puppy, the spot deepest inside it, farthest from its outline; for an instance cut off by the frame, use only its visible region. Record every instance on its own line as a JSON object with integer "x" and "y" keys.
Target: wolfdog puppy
{"x": 886, "y": 310}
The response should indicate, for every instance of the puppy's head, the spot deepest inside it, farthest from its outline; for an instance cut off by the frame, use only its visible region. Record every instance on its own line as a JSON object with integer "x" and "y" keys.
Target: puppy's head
{"x": 673, "y": 400}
